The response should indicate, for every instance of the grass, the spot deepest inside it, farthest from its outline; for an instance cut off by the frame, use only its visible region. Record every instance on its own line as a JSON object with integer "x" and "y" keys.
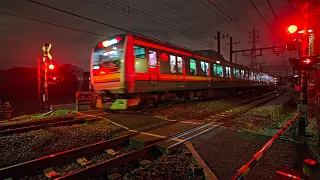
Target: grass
{"x": 41, "y": 116}
{"x": 32, "y": 117}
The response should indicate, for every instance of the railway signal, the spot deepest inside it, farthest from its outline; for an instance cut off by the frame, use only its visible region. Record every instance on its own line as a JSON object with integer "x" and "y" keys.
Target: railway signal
{"x": 48, "y": 65}
{"x": 298, "y": 39}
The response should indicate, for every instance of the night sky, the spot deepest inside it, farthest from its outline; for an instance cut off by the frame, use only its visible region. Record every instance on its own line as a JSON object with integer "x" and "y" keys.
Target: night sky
{"x": 21, "y": 40}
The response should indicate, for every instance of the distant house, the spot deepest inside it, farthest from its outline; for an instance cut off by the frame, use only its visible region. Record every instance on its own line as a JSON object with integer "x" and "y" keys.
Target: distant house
{"x": 78, "y": 72}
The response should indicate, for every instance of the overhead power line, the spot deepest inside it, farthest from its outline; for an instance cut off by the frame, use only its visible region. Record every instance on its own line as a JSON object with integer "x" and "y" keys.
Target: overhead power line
{"x": 275, "y": 15}
{"x": 52, "y": 24}
{"x": 184, "y": 15}
{"x": 245, "y": 34}
{"x": 102, "y": 23}
{"x": 261, "y": 15}
{"x": 147, "y": 15}
{"x": 230, "y": 15}
{"x": 126, "y": 12}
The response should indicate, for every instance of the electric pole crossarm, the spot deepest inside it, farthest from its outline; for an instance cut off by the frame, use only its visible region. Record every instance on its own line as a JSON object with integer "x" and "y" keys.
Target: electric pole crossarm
{"x": 257, "y": 49}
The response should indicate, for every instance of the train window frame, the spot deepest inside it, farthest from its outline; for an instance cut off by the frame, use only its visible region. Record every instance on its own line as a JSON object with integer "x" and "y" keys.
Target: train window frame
{"x": 242, "y": 74}
{"x": 178, "y": 70}
{"x": 214, "y": 69}
{"x": 141, "y": 65}
{"x": 251, "y": 76}
{"x": 228, "y": 75}
{"x": 173, "y": 69}
{"x": 195, "y": 63}
{"x": 207, "y": 67}
{"x": 149, "y": 65}
{"x": 236, "y": 73}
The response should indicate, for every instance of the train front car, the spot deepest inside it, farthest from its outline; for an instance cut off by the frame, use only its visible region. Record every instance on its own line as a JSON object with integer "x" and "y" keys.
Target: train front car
{"x": 108, "y": 72}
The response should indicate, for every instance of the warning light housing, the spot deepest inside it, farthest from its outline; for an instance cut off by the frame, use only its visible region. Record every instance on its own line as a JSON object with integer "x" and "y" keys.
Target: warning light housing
{"x": 305, "y": 63}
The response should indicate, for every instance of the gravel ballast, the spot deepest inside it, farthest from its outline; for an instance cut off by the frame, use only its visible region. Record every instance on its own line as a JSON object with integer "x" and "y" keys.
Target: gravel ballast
{"x": 175, "y": 166}
{"x": 35, "y": 144}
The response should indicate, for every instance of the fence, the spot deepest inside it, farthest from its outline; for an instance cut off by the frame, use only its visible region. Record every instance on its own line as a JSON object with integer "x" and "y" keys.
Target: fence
{"x": 84, "y": 98}
{"x": 5, "y": 111}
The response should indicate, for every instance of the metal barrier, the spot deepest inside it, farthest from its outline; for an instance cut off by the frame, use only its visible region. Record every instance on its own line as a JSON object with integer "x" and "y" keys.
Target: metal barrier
{"x": 6, "y": 110}
{"x": 84, "y": 98}
{"x": 250, "y": 164}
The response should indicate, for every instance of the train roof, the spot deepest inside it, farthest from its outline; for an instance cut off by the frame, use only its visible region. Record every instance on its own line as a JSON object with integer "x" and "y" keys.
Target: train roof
{"x": 208, "y": 54}
{"x": 188, "y": 50}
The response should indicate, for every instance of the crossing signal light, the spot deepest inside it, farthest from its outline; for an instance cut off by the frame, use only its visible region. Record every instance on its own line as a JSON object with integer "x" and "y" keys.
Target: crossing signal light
{"x": 51, "y": 66}
{"x": 292, "y": 29}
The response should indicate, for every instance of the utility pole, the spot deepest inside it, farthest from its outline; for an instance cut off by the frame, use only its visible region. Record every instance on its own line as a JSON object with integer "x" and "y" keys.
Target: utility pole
{"x": 254, "y": 40}
{"x": 39, "y": 81}
{"x": 218, "y": 38}
{"x": 218, "y": 41}
{"x": 231, "y": 43}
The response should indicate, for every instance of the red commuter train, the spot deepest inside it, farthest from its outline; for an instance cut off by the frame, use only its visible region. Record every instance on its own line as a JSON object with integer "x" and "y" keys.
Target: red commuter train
{"x": 127, "y": 70}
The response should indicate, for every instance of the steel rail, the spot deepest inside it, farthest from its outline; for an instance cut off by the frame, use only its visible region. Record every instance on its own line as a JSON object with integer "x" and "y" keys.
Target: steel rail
{"x": 22, "y": 169}
{"x": 97, "y": 169}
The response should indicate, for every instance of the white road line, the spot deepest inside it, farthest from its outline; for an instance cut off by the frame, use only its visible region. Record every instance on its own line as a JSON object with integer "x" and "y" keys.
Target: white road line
{"x": 160, "y": 136}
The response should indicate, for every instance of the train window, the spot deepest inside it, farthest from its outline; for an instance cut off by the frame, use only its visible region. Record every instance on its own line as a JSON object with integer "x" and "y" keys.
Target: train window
{"x": 242, "y": 74}
{"x": 152, "y": 59}
{"x": 251, "y": 76}
{"x": 204, "y": 68}
{"x": 228, "y": 72}
{"x": 140, "y": 65}
{"x": 179, "y": 63}
{"x": 247, "y": 75}
{"x": 173, "y": 64}
{"x": 139, "y": 52}
{"x": 217, "y": 70}
{"x": 193, "y": 67}
{"x": 236, "y": 73}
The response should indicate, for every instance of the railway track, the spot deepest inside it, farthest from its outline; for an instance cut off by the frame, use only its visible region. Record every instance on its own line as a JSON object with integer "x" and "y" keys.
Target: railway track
{"x": 184, "y": 103}
{"x": 245, "y": 105}
{"x": 68, "y": 120}
{"x": 87, "y": 170}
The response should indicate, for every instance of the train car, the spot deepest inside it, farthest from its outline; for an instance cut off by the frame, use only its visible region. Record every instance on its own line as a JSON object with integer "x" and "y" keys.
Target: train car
{"x": 127, "y": 70}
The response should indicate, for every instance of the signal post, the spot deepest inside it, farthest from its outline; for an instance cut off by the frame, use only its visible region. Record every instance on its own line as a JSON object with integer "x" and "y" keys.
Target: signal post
{"x": 46, "y": 60}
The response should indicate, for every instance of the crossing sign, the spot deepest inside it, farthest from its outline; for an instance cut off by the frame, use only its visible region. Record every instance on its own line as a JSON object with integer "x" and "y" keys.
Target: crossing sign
{"x": 46, "y": 49}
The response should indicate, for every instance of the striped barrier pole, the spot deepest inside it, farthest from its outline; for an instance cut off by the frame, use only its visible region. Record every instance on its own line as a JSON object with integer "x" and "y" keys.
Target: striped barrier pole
{"x": 256, "y": 157}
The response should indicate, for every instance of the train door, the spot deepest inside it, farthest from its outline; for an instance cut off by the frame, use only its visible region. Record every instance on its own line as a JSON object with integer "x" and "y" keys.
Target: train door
{"x": 154, "y": 70}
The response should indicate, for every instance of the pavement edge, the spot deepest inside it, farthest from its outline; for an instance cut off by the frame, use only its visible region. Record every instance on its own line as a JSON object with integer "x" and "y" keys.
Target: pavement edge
{"x": 209, "y": 174}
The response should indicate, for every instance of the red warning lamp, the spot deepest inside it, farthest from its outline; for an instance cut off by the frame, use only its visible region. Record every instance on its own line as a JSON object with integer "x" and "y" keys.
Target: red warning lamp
{"x": 51, "y": 66}
{"x": 54, "y": 78}
{"x": 310, "y": 161}
{"x": 292, "y": 29}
